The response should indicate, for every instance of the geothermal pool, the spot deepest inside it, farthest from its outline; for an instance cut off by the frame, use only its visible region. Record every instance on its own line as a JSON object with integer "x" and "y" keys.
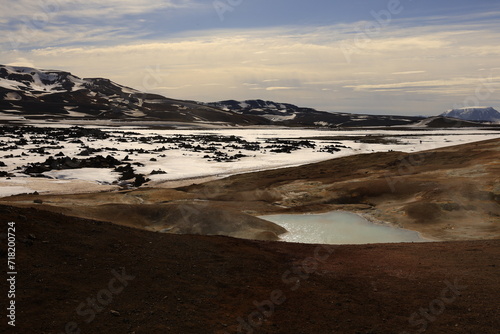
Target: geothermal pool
{"x": 338, "y": 227}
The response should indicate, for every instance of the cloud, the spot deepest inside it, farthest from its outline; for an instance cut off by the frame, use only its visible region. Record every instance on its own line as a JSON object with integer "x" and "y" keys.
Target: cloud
{"x": 23, "y": 62}
{"x": 43, "y": 39}
{"x": 171, "y": 88}
{"x": 35, "y": 24}
{"x": 408, "y": 72}
{"x": 56, "y": 10}
{"x": 280, "y": 88}
{"x": 393, "y": 72}
{"x": 450, "y": 85}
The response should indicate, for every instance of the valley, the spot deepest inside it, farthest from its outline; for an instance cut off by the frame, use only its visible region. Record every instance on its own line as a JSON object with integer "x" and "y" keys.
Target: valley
{"x": 177, "y": 200}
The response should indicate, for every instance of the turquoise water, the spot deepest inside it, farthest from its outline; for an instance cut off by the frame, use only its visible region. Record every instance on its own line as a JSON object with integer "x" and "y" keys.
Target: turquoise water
{"x": 338, "y": 227}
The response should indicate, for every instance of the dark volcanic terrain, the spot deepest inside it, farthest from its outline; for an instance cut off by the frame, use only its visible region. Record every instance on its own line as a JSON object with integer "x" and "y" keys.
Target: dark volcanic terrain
{"x": 158, "y": 259}
{"x": 57, "y": 95}
{"x": 29, "y": 94}
{"x": 79, "y": 271}
{"x": 450, "y": 193}
{"x": 292, "y": 115}
{"x": 96, "y": 277}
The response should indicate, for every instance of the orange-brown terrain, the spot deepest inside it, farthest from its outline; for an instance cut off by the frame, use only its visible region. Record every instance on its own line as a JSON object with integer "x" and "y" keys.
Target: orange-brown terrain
{"x": 200, "y": 284}
{"x": 80, "y": 270}
{"x": 450, "y": 193}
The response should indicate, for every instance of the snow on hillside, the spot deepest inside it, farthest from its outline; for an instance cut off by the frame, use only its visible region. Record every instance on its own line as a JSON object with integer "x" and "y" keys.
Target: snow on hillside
{"x": 58, "y": 95}
{"x": 255, "y": 105}
{"x": 446, "y": 122}
{"x": 31, "y": 93}
{"x": 29, "y": 79}
{"x": 292, "y": 115}
{"x": 479, "y": 114}
{"x": 185, "y": 154}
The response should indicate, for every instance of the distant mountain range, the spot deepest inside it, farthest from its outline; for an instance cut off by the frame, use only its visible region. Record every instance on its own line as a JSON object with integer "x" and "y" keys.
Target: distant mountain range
{"x": 291, "y": 115}
{"x": 447, "y": 122}
{"x": 477, "y": 114}
{"x": 45, "y": 94}
{"x": 55, "y": 95}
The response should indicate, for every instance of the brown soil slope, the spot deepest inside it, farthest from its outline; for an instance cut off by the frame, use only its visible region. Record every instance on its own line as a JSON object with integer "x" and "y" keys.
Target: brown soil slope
{"x": 195, "y": 284}
{"x": 180, "y": 218}
{"x": 450, "y": 193}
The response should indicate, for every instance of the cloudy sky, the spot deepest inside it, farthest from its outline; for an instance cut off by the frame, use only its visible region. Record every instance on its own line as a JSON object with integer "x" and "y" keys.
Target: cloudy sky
{"x": 410, "y": 57}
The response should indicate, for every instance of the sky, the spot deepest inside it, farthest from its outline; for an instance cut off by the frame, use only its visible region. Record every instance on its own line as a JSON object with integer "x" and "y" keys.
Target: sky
{"x": 402, "y": 57}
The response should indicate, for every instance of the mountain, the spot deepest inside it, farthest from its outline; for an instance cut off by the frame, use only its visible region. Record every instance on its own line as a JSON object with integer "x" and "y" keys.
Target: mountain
{"x": 442, "y": 122}
{"x": 49, "y": 94}
{"x": 54, "y": 95}
{"x": 292, "y": 115}
{"x": 478, "y": 114}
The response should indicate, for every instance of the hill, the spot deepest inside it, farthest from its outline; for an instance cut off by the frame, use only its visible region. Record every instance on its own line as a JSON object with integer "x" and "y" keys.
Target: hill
{"x": 292, "y": 115}
{"x": 48, "y": 94}
{"x": 478, "y": 114}
{"x": 94, "y": 277}
{"x": 38, "y": 94}
{"x": 442, "y": 122}
{"x": 54, "y": 95}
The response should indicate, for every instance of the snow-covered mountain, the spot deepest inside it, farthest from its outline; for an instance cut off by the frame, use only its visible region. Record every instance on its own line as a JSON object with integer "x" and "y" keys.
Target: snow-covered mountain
{"x": 53, "y": 95}
{"x": 442, "y": 122}
{"x": 49, "y": 94}
{"x": 28, "y": 80}
{"x": 478, "y": 114}
{"x": 292, "y": 115}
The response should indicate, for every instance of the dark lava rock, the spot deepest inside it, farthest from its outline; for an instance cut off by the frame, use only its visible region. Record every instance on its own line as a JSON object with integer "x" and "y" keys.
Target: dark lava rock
{"x": 89, "y": 151}
{"x": 127, "y": 172}
{"x": 71, "y": 163}
{"x": 157, "y": 172}
{"x": 140, "y": 180}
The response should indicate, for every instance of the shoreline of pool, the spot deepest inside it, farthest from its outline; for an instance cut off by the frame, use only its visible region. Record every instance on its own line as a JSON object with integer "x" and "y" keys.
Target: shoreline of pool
{"x": 359, "y": 220}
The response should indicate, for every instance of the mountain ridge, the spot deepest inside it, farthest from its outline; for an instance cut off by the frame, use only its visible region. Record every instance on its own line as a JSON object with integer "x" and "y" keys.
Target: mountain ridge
{"x": 291, "y": 115}
{"x": 475, "y": 114}
{"x": 55, "y": 94}
{"x": 59, "y": 95}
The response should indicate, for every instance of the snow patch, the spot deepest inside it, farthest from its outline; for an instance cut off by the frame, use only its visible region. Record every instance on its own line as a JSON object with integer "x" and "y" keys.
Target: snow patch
{"x": 12, "y": 96}
{"x": 480, "y": 114}
{"x": 14, "y": 190}
{"x": 100, "y": 175}
{"x": 277, "y": 118}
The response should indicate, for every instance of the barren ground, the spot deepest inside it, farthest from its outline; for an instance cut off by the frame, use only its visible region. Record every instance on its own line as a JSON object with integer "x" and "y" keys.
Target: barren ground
{"x": 450, "y": 193}
{"x": 198, "y": 284}
{"x": 215, "y": 284}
